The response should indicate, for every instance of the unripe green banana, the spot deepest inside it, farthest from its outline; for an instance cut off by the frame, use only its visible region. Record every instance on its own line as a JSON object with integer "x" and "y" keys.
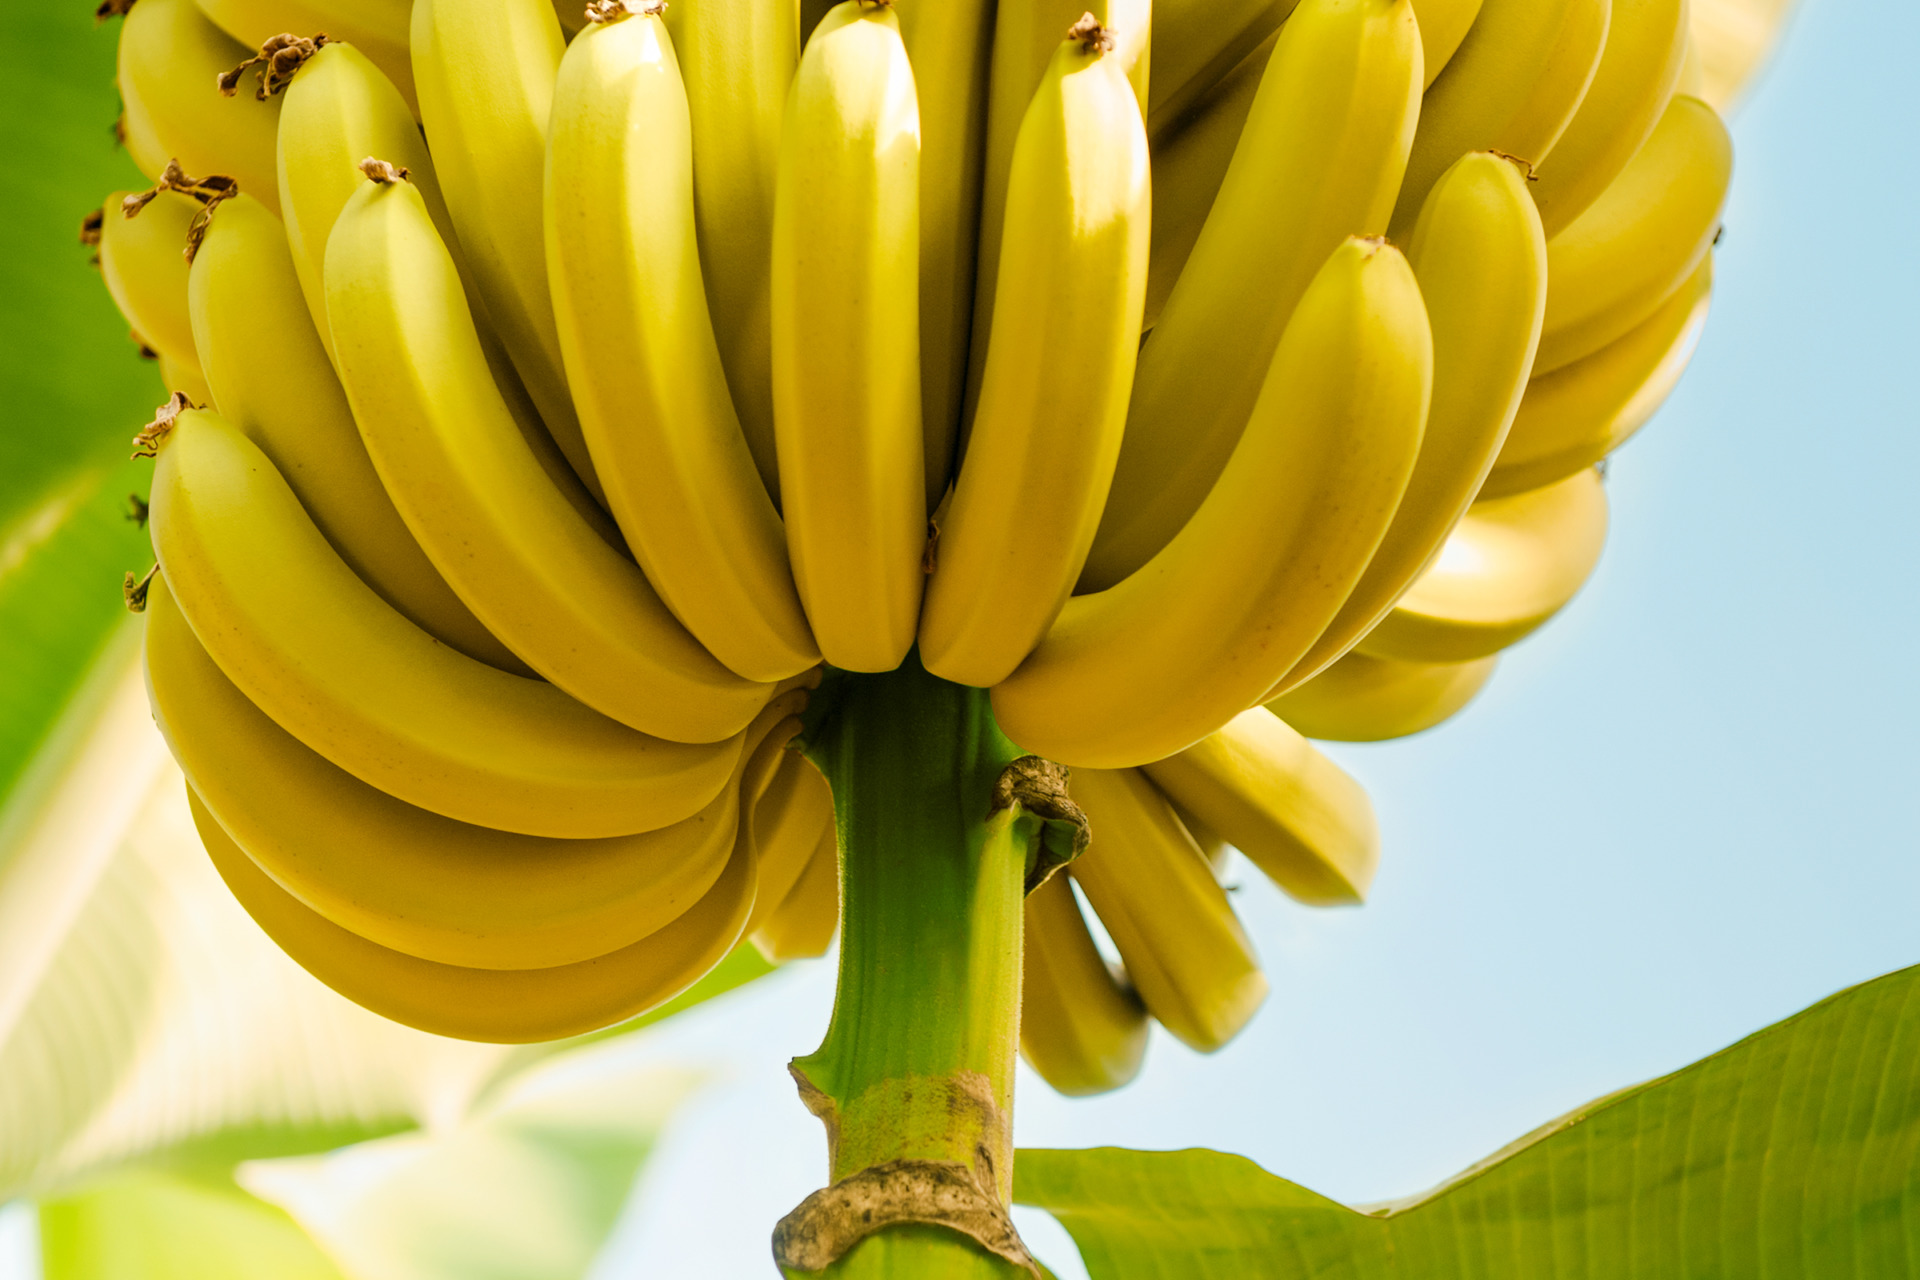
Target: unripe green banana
{"x": 1363, "y": 699}
{"x": 1082, "y": 1028}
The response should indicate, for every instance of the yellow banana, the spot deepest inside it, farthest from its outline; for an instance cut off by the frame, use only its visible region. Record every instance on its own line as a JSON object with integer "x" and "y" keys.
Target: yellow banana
{"x": 504, "y": 1006}
{"x": 341, "y": 670}
{"x": 137, "y": 134}
{"x": 1081, "y": 1026}
{"x": 453, "y": 459}
{"x": 641, "y": 356}
{"x": 1514, "y": 85}
{"x": 409, "y": 879}
{"x": 1638, "y": 243}
{"x": 738, "y": 59}
{"x": 1072, "y": 282}
{"x": 1182, "y": 945}
{"x": 804, "y": 923}
{"x": 791, "y": 819}
{"x": 1318, "y": 161}
{"x": 1444, "y": 25}
{"x": 171, "y": 60}
{"x": 1512, "y": 564}
{"x": 1292, "y": 811}
{"x": 1646, "y": 46}
{"x": 1362, "y": 699}
{"x": 1573, "y": 417}
{"x": 485, "y": 71}
{"x": 143, "y": 259}
{"x": 1197, "y": 44}
{"x": 1147, "y": 668}
{"x": 274, "y": 383}
{"x": 378, "y": 28}
{"x": 1211, "y": 843}
{"x": 846, "y": 344}
{"x": 1482, "y": 265}
{"x": 185, "y": 379}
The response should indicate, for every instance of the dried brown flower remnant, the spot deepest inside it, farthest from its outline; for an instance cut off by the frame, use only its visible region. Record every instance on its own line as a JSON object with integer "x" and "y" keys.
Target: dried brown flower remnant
{"x": 137, "y": 509}
{"x": 381, "y": 172}
{"x": 134, "y": 590}
{"x": 210, "y": 191}
{"x": 112, "y": 9}
{"x": 278, "y": 61}
{"x": 152, "y": 436}
{"x": 616, "y": 10}
{"x": 1089, "y": 32}
{"x": 91, "y": 226}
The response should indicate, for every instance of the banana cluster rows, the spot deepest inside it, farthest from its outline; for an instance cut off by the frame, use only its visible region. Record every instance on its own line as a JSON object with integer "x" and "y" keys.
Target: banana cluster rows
{"x": 561, "y": 385}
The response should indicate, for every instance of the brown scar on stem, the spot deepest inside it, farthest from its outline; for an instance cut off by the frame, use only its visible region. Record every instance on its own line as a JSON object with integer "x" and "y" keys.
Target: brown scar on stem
{"x": 383, "y": 174}
{"x": 1091, "y": 35}
{"x": 604, "y": 11}
{"x": 278, "y": 61}
{"x": 134, "y": 590}
{"x": 1039, "y": 787}
{"x": 154, "y": 435}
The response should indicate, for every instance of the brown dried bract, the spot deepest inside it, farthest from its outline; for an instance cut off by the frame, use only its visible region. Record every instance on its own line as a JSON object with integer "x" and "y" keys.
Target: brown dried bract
{"x": 1089, "y": 32}
{"x": 943, "y": 1193}
{"x": 1525, "y": 165}
{"x": 381, "y": 172}
{"x": 211, "y": 192}
{"x": 137, "y": 510}
{"x": 154, "y": 435}
{"x": 91, "y": 226}
{"x": 278, "y": 61}
{"x": 1039, "y": 786}
{"x": 603, "y": 11}
{"x": 134, "y": 590}
{"x": 140, "y": 344}
{"x": 112, "y": 9}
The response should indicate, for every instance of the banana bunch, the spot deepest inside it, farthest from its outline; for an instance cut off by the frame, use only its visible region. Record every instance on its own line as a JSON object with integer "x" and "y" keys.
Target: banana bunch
{"x": 561, "y": 386}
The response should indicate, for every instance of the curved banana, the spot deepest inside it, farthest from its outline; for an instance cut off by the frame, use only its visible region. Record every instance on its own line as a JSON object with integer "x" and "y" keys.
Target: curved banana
{"x": 187, "y": 380}
{"x": 137, "y": 134}
{"x": 1512, "y": 564}
{"x": 170, "y": 62}
{"x": 1646, "y": 46}
{"x": 502, "y": 1006}
{"x": 378, "y": 28}
{"x": 1362, "y": 699}
{"x": 1318, "y": 161}
{"x": 1178, "y": 937}
{"x": 737, "y": 61}
{"x": 1444, "y": 25}
{"x": 1197, "y": 44}
{"x": 465, "y": 481}
{"x": 846, "y": 339}
{"x": 1211, "y": 843}
{"x": 272, "y": 380}
{"x": 804, "y": 923}
{"x": 408, "y": 879}
{"x": 1149, "y": 667}
{"x": 1482, "y": 265}
{"x": 143, "y": 259}
{"x": 1081, "y": 1026}
{"x": 341, "y": 670}
{"x": 1042, "y": 449}
{"x": 1573, "y": 417}
{"x": 1641, "y": 239}
{"x": 792, "y": 818}
{"x": 485, "y": 71}
{"x": 1514, "y": 85}
{"x": 1294, "y": 813}
{"x": 641, "y": 357}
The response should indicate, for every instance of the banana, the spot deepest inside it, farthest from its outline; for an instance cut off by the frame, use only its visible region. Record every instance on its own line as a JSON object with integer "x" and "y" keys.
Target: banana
{"x": 1178, "y": 937}
{"x": 136, "y": 133}
{"x": 1149, "y": 667}
{"x": 1646, "y": 46}
{"x": 1362, "y": 699}
{"x": 1319, "y": 160}
{"x": 1082, "y": 1027}
{"x": 804, "y": 923}
{"x": 1444, "y": 25}
{"x": 846, "y": 344}
{"x": 143, "y": 259}
{"x": 485, "y": 71}
{"x": 1514, "y": 85}
{"x": 1512, "y": 564}
{"x": 1638, "y": 243}
{"x": 503, "y": 1006}
{"x": 378, "y": 28}
{"x": 411, "y": 880}
{"x": 738, "y": 57}
{"x": 641, "y": 357}
{"x": 790, "y": 821}
{"x": 1211, "y": 843}
{"x": 1072, "y": 284}
{"x": 1482, "y": 265}
{"x": 572, "y": 16}
{"x": 1573, "y": 417}
{"x": 341, "y": 670}
{"x": 453, "y": 459}
{"x": 170, "y": 62}
{"x": 185, "y": 379}
{"x": 274, "y": 383}
{"x": 1197, "y": 44}
{"x": 1293, "y": 812}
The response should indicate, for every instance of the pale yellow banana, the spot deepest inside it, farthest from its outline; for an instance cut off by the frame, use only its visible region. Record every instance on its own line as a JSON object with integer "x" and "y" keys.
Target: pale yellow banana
{"x": 792, "y": 819}
{"x": 137, "y": 134}
{"x": 846, "y": 344}
{"x": 270, "y": 378}
{"x": 738, "y": 57}
{"x": 508, "y": 1006}
{"x": 1211, "y": 842}
{"x": 1153, "y": 889}
{"x": 1149, "y": 667}
{"x": 1514, "y": 85}
{"x": 1197, "y": 44}
{"x": 1511, "y": 565}
{"x": 1362, "y": 699}
{"x": 1295, "y": 814}
{"x": 185, "y": 379}
{"x": 1573, "y": 417}
{"x": 1638, "y": 243}
{"x": 450, "y": 454}
{"x": 1443, "y": 29}
{"x": 341, "y": 670}
{"x": 803, "y": 925}
{"x": 1482, "y": 265}
{"x": 1646, "y": 46}
{"x": 378, "y": 28}
{"x": 171, "y": 60}
{"x": 1319, "y": 160}
{"x": 1072, "y": 281}
{"x": 1082, "y": 1027}
{"x": 143, "y": 259}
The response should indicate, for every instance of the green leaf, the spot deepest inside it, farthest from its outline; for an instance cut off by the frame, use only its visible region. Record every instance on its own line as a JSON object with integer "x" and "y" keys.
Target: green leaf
{"x": 148, "y": 1226}
{"x": 1795, "y": 1153}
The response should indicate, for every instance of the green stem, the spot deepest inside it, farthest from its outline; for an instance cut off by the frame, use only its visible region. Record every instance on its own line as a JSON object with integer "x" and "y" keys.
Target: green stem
{"x": 917, "y": 1064}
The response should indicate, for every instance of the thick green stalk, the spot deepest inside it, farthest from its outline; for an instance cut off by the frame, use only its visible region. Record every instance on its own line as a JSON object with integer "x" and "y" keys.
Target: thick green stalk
{"x": 917, "y": 1065}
